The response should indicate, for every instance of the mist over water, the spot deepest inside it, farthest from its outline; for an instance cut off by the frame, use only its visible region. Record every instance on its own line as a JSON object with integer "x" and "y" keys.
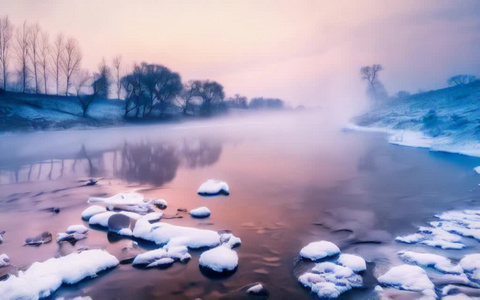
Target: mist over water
{"x": 295, "y": 177}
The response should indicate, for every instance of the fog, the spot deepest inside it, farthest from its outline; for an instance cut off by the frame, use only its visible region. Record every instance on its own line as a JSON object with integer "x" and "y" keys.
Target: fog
{"x": 305, "y": 52}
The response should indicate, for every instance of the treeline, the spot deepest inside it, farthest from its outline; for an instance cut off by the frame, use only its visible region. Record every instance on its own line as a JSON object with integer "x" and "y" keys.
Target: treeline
{"x": 32, "y": 62}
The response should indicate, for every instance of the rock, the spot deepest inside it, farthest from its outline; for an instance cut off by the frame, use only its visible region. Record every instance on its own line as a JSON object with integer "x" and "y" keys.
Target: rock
{"x": 257, "y": 289}
{"x": 72, "y": 238}
{"x": 1, "y": 236}
{"x": 182, "y": 209}
{"x": 4, "y": 260}
{"x": 117, "y": 222}
{"x": 213, "y": 187}
{"x": 43, "y": 238}
{"x": 160, "y": 203}
{"x": 77, "y": 229}
{"x": 201, "y": 212}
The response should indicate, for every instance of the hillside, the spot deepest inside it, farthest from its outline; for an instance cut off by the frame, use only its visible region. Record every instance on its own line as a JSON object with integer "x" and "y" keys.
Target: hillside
{"x": 442, "y": 120}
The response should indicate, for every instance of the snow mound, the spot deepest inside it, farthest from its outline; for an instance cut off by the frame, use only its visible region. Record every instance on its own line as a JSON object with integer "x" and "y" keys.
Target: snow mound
{"x": 354, "y": 262}
{"x": 101, "y": 219}
{"x": 44, "y": 278}
{"x": 163, "y": 233}
{"x": 4, "y": 260}
{"x": 160, "y": 203}
{"x": 91, "y": 211}
{"x": 410, "y": 278}
{"x": 471, "y": 266}
{"x": 477, "y": 170}
{"x": 77, "y": 229}
{"x": 213, "y": 187}
{"x": 257, "y": 289}
{"x": 219, "y": 259}
{"x": 318, "y": 250}
{"x": 162, "y": 257}
{"x": 201, "y": 212}
{"x": 438, "y": 262}
{"x": 230, "y": 239}
{"x": 329, "y": 280}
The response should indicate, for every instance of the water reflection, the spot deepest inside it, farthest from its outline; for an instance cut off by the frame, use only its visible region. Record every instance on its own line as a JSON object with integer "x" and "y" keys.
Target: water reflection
{"x": 143, "y": 162}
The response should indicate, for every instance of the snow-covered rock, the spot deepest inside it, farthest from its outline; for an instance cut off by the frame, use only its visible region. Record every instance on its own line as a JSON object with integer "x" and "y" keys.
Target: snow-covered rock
{"x": 70, "y": 237}
{"x": 101, "y": 219}
{"x": 438, "y": 262}
{"x": 213, "y": 187}
{"x": 92, "y": 210}
{"x": 329, "y": 280}
{"x": 410, "y": 278}
{"x": 471, "y": 266}
{"x": 477, "y": 170}
{"x": 43, "y": 238}
{"x": 318, "y": 250}
{"x": 163, "y": 233}
{"x": 76, "y": 229}
{"x": 160, "y": 203}
{"x": 257, "y": 289}
{"x": 42, "y": 279}
{"x": 4, "y": 260}
{"x": 162, "y": 257}
{"x": 201, "y": 212}
{"x": 354, "y": 262}
{"x": 230, "y": 239}
{"x": 219, "y": 259}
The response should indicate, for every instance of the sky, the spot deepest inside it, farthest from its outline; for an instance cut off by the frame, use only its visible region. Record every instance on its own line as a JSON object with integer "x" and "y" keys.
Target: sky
{"x": 305, "y": 52}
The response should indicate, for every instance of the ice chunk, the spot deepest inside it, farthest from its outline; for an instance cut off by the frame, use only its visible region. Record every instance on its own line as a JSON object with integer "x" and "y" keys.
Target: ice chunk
{"x": 477, "y": 170}
{"x": 4, "y": 260}
{"x": 219, "y": 259}
{"x": 354, "y": 262}
{"x": 119, "y": 199}
{"x": 164, "y": 233}
{"x": 92, "y": 210}
{"x": 213, "y": 187}
{"x": 329, "y": 280}
{"x": 77, "y": 229}
{"x": 201, "y": 212}
{"x": 471, "y": 266}
{"x": 410, "y": 278}
{"x": 44, "y": 278}
{"x": 318, "y": 250}
{"x": 438, "y": 262}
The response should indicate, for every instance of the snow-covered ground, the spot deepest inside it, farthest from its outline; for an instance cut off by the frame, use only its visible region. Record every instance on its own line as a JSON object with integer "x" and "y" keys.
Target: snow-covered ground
{"x": 442, "y": 120}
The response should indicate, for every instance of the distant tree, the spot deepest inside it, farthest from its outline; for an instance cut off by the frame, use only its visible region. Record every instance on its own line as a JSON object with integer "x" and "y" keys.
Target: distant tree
{"x": 22, "y": 37}
{"x": 191, "y": 90}
{"x": 117, "y": 62}
{"x": 401, "y": 95}
{"x": 34, "y": 54}
{"x": 71, "y": 62}
{"x": 237, "y": 101}
{"x": 370, "y": 74}
{"x": 83, "y": 82}
{"x": 212, "y": 94}
{"x": 134, "y": 92}
{"x": 57, "y": 56}
{"x": 461, "y": 79}
{"x": 44, "y": 58}
{"x": 266, "y": 103}
{"x": 6, "y": 34}
{"x": 102, "y": 80}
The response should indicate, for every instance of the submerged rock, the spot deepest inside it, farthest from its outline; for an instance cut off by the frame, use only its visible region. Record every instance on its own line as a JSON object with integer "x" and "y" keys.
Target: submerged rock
{"x": 40, "y": 239}
{"x": 213, "y": 187}
{"x": 201, "y": 212}
{"x": 319, "y": 250}
{"x": 4, "y": 260}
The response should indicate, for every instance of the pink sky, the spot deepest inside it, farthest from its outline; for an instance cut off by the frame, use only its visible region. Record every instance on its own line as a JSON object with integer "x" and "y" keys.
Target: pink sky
{"x": 306, "y": 52}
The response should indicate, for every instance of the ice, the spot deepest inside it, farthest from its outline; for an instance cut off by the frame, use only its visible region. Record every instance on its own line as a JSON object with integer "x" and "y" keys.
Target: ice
{"x": 92, "y": 210}
{"x": 77, "y": 229}
{"x": 41, "y": 279}
{"x": 4, "y": 260}
{"x": 213, "y": 187}
{"x": 329, "y": 280}
{"x": 201, "y": 212}
{"x": 477, "y": 170}
{"x": 410, "y": 278}
{"x": 318, "y": 250}
{"x": 163, "y": 233}
{"x": 354, "y": 262}
{"x": 219, "y": 259}
{"x": 471, "y": 266}
{"x": 438, "y": 262}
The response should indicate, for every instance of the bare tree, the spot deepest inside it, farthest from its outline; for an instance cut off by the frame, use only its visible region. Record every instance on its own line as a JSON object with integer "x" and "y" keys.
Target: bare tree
{"x": 58, "y": 51}
{"x": 44, "y": 59}
{"x": 22, "y": 49}
{"x": 370, "y": 74}
{"x": 6, "y": 34}
{"x": 34, "y": 54}
{"x": 102, "y": 80}
{"x": 461, "y": 79}
{"x": 82, "y": 82}
{"x": 71, "y": 61}
{"x": 117, "y": 62}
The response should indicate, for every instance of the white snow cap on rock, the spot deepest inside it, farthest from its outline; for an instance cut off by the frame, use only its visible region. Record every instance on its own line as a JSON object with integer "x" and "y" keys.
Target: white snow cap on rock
{"x": 219, "y": 259}
{"x": 76, "y": 229}
{"x": 92, "y": 210}
{"x": 213, "y": 187}
{"x": 161, "y": 257}
{"x": 477, "y": 170}
{"x": 201, "y": 212}
{"x": 410, "y": 278}
{"x": 438, "y": 262}
{"x": 471, "y": 266}
{"x": 44, "y": 278}
{"x": 354, "y": 262}
{"x": 4, "y": 260}
{"x": 318, "y": 250}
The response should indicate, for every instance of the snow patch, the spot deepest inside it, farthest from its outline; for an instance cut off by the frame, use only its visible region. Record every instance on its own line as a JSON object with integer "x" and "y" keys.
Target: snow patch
{"x": 219, "y": 259}
{"x": 410, "y": 278}
{"x": 201, "y": 212}
{"x": 438, "y": 262}
{"x": 213, "y": 187}
{"x": 354, "y": 262}
{"x": 4, "y": 260}
{"x": 77, "y": 229}
{"x": 318, "y": 250}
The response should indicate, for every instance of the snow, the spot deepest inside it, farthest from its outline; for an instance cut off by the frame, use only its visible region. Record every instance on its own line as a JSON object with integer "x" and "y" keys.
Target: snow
{"x": 4, "y": 260}
{"x": 213, "y": 187}
{"x": 201, "y": 212}
{"x": 172, "y": 235}
{"x": 329, "y": 280}
{"x": 410, "y": 278}
{"x": 457, "y": 297}
{"x": 477, "y": 170}
{"x": 160, "y": 203}
{"x": 161, "y": 257}
{"x": 318, "y": 250}
{"x": 219, "y": 259}
{"x": 438, "y": 262}
{"x": 91, "y": 211}
{"x": 42, "y": 279}
{"x": 471, "y": 266}
{"x": 131, "y": 198}
{"x": 256, "y": 289}
{"x": 77, "y": 229}
{"x": 354, "y": 262}
{"x": 230, "y": 239}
